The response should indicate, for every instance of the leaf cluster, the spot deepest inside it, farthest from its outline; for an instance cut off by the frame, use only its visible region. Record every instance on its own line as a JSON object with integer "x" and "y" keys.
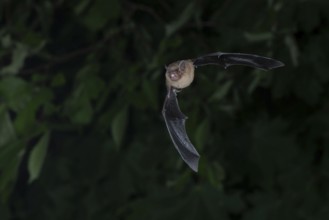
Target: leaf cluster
{"x": 81, "y": 92}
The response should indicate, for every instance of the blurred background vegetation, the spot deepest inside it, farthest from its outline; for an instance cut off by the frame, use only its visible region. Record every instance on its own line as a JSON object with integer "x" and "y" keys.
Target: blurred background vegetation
{"x": 81, "y": 92}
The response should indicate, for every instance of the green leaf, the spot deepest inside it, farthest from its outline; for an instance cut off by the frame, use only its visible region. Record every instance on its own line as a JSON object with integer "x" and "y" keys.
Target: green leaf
{"x": 222, "y": 91}
{"x": 257, "y": 37}
{"x": 7, "y": 132}
{"x": 290, "y": 41}
{"x": 81, "y": 6}
{"x": 184, "y": 17}
{"x": 201, "y": 134}
{"x": 309, "y": 16}
{"x": 6, "y": 41}
{"x": 150, "y": 93}
{"x": 84, "y": 113}
{"x": 15, "y": 92}
{"x": 89, "y": 87}
{"x": 100, "y": 13}
{"x": 258, "y": 76}
{"x": 37, "y": 157}
{"x": 119, "y": 126}
{"x": 58, "y": 80}
{"x": 34, "y": 41}
{"x": 17, "y": 60}
{"x": 26, "y": 116}
{"x": 10, "y": 158}
{"x": 308, "y": 89}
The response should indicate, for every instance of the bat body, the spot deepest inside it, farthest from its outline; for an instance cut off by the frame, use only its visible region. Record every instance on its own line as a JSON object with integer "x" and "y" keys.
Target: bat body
{"x": 179, "y": 75}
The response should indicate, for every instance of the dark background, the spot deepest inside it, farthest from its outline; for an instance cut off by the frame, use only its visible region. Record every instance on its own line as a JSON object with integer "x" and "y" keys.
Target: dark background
{"x": 81, "y": 92}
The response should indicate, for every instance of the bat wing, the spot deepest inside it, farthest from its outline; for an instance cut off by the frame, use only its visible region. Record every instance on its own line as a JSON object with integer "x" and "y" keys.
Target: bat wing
{"x": 230, "y": 59}
{"x": 175, "y": 121}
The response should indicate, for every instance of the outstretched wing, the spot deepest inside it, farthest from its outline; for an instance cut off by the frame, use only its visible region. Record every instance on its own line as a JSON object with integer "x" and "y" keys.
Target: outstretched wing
{"x": 230, "y": 59}
{"x": 175, "y": 121}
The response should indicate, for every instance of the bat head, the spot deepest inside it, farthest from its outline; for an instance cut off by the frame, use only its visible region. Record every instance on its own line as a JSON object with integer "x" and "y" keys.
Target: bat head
{"x": 180, "y": 74}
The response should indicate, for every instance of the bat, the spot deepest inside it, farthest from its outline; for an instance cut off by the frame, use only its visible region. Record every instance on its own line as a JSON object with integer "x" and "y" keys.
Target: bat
{"x": 179, "y": 75}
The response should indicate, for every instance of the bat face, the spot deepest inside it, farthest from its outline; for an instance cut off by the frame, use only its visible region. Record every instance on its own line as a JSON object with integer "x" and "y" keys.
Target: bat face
{"x": 180, "y": 75}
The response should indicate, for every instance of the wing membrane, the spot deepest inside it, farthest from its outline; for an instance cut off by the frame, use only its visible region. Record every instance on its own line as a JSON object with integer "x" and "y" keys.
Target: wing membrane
{"x": 175, "y": 121}
{"x": 230, "y": 59}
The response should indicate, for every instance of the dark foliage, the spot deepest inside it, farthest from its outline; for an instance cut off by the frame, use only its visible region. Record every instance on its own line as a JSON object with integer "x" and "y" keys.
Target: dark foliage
{"x": 81, "y": 92}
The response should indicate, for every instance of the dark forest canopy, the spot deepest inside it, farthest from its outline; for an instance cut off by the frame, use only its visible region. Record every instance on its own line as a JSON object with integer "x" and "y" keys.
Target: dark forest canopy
{"x": 81, "y": 92}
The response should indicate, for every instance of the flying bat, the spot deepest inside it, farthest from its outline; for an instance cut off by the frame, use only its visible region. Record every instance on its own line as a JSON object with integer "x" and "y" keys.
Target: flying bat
{"x": 180, "y": 74}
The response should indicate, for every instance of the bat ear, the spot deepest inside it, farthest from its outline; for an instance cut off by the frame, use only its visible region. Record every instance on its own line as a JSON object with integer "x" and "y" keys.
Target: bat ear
{"x": 166, "y": 67}
{"x": 182, "y": 66}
